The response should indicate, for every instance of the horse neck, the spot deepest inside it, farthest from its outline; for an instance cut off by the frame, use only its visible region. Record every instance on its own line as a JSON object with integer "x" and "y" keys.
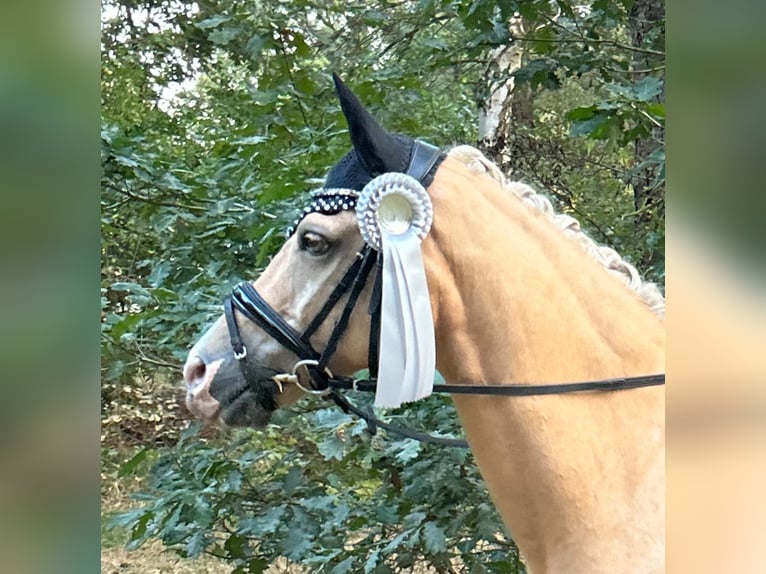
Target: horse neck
{"x": 516, "y": 301}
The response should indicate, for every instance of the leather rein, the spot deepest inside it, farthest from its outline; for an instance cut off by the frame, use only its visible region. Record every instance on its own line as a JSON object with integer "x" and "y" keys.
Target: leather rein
{"x": 246, "y": 300}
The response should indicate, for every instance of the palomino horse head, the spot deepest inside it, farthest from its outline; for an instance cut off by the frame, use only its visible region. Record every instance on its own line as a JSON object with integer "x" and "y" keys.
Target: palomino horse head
{"x": 297, "y": 283}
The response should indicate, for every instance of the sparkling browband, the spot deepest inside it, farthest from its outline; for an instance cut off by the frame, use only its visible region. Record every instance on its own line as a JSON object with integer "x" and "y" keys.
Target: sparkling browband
{"x": 326, "y": 202}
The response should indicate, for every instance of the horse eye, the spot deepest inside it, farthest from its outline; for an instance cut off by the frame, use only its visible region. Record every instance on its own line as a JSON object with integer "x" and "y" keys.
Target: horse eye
{"x": 314, "y": 243}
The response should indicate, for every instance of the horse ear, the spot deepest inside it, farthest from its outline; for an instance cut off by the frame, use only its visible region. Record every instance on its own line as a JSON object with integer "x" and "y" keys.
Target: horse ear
{"x": 377, "y": 150}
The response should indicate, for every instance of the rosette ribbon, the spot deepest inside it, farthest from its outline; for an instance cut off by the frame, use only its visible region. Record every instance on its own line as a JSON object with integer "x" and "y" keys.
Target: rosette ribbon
{"x": 395, "y": 214}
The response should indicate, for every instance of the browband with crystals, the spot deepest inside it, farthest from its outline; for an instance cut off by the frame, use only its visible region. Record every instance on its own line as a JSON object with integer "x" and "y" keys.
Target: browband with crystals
{"x": 326, "y": 202}
{"x": 329, "y": 201}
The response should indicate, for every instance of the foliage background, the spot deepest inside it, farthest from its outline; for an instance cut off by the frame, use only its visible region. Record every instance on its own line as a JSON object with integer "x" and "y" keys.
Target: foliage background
{"x": 216, "y": 119}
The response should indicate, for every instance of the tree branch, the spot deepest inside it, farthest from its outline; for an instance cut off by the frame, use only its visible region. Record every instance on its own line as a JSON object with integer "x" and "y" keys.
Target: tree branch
{"x": 139, "y": 354}
{"x": 603, "y": 42}
{"x": 132, "y": 195}
{"x": 407, "y": 37}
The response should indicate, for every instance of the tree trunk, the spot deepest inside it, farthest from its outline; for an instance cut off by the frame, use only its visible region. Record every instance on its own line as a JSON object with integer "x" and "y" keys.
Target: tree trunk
{"x": 509, "y": 106}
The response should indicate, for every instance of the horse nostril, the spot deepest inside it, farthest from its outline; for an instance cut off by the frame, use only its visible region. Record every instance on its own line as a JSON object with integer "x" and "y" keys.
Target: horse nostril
{"x": 194, "y": 372}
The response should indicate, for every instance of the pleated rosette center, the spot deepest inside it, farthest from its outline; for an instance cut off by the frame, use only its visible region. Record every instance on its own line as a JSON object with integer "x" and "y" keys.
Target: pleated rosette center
{"x": 393, "y": 203}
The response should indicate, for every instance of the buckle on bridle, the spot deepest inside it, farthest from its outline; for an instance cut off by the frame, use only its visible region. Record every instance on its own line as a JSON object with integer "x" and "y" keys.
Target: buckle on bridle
{"x": 306, "y": 363}
{"x": 242, "y": 355}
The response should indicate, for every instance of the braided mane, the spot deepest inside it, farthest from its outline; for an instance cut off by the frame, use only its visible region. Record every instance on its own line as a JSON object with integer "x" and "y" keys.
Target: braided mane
{"x": 648, "y": 292}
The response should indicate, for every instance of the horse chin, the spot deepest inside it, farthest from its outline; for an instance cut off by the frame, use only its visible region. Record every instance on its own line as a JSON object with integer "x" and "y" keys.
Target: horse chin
{"x": 244, "y": 403}
{"x": 245, "y": 412}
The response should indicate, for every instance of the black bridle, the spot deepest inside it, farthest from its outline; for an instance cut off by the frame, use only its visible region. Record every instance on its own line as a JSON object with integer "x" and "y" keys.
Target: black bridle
{"x": 246, "y": 299}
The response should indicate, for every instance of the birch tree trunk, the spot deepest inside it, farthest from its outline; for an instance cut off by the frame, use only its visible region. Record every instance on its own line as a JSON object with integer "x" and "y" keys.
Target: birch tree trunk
{"x": 509, "y": 104}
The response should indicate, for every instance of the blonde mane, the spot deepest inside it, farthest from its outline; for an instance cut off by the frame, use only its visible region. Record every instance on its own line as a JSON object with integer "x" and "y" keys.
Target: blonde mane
{"x": 648, "y": 292}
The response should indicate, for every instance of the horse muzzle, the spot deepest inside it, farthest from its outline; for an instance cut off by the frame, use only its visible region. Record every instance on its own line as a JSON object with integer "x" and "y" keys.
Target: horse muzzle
{"x": 217, "y": 392}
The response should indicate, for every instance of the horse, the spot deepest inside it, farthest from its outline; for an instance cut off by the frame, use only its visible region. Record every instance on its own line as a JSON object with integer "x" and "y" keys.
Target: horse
{"x": 519, "y": 295}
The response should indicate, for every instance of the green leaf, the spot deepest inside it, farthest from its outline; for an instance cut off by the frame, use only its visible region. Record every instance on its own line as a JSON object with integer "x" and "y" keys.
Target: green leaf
{"x": 302, "y": 49}
{"x": 587, "y": 127}
{"x": 130, "y": 287}
{"x": 212, "y": 22}
{"x": 435, "y": 43}
{"x": 433, "y": 538}
{"x": 319, "y": 502}
{"x": 159, "y": 273}
{"x": 332, "y": 447}
{"x": 408, "y": 450}
{"x": 250, "y": 140}
{"x": 131, "y": 465}
{"x": 374, "y": 17}
{"x": 330, "y": 418}
{"x": 255, "y": 45}
{"x": 395, "y": 542}
{"x": 644, "y": 90}
{"x": 236, "y": 546}
{"x": 413, "y": 520}
{"x": 223, "y": 36}
{"x": 305, "y": 84}
{"x": 163, "y": 295}
{"x": 126, "y": 518}
{"x": 257, "y": 565}
{"x": 371, "y": 562}
{"x": 196, "y": 544}
{"x": 123, "y": 324}
{"x": 139, "y": 527}
{"x": 656, "y": 109}
{"x": 539, "y": 72}
{"x": 343, "y": 567}
{"x": 292, "y": 480}
{"x": 266, "y": 523}
{"x": 647, "y": 88}
{"x": 387, "y": 514}
{"x": 296, "y": 543}
{"x": 582, "y": 113}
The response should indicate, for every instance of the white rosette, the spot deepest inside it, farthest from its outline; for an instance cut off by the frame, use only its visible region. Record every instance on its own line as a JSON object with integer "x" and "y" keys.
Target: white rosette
{"x": 395, "y": 214}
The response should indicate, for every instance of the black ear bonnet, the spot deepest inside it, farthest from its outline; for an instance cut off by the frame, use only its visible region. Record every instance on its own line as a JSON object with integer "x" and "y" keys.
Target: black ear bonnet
{"x": 375, "y": 152}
